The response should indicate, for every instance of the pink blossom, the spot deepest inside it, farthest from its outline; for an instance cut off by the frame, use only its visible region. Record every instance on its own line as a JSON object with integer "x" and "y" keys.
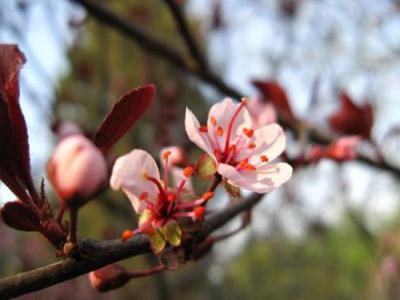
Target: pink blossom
{"x": 262, "y": 113}
{"x": 77, "y": 168}
{"x": 241, "y": 152}
{"x": 137, "y": 175}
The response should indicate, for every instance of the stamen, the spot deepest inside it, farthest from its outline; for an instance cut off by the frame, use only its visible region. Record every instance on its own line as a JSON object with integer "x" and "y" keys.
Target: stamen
{"x": 213, "y": 121}
{"x": 230, "y": 126}
{"x": 198, "y": 213}
{"x": 207, "y": 196}
{"x": 171, "y": 197}
{"x": 248, "y": 132}
{"x": 264, "y": 158}
{"x": 144, "y": 196}
{"x": 188, "y": 171}
{"x": 220, "y": 131}
{"x": 242, "y": 163}
{"x": 126, "y": 235}
{"x": 250, "y": 167}
{"x": 217, "y": 154}
{"x": 252, "y": 146}
{"x": 232, "y": 152}
{"x": 166, "y": 154}
{"x": 203, "y": 129}
{"x": 157, "y": 183}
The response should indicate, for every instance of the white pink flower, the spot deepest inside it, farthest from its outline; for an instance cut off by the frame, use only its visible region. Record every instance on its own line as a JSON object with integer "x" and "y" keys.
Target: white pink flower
{"x": 241, "y": 151}
{"x": 137, "y": 175}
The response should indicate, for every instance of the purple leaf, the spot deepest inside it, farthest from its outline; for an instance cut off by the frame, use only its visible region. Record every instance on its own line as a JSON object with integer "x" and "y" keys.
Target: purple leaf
{"x": 124, "y": 114}
{"x": 18, "y": 215}
{"x": 14, "y": 151}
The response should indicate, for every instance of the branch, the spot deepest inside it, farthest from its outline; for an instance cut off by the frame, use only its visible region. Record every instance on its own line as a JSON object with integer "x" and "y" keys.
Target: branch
{"x": 97, "y": 254}
{"x": 151, "y": 44}
{"x": 183, "y": 28}
{"x": 158, "y": 48}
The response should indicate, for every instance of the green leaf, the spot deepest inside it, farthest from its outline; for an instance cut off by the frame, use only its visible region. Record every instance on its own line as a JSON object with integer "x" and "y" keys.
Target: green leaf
{"x": 172, "y": 233}
{"x": 157, "y": 242}
{"x": 206, "y": 166}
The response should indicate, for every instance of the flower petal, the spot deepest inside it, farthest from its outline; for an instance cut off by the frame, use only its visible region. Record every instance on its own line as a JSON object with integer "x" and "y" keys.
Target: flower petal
{"x": 192, "y": 126}
{"x": 221, "y": 114}
{"x": 262, "y": 180}
{"x": 128, "y": 175}
{"x": 270, "y": 140}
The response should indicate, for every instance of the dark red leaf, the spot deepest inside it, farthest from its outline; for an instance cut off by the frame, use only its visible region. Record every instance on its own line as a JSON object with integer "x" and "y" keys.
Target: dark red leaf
{"x": 19, "y": 216}
{"x": 14, "y": 150}
{"x": 125, "y": 112}
{"x": 351, "y": 119}
{"x": 274, "y": 92}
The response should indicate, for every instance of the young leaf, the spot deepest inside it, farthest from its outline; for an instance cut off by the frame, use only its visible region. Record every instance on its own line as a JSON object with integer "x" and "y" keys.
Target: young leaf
{"x": 352, "y": 119}
{"x": 157, "y": 242}
{"x": 125, "y": 112}
{"x": 14, "y": 150}
{"x": 206, "y": 166}
{"x": 172, "y": 233}
{"x": 273, "y": 91}
{"x": 19, "y": 216}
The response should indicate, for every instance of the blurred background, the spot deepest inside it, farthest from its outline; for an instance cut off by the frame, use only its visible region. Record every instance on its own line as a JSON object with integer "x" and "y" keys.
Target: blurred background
{"x": 331, "y": 232}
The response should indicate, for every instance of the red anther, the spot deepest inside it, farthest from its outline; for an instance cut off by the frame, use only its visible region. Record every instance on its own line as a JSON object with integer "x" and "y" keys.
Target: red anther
{"x": 126, "y": 235}
{"x": 249, "y": 132}
{"x": 213, "y": 121}
{"x": 264, "y": 158}
{"x": 207, "y": 196}
{"x": 252, "y": 146}
{"x": 220, "y": 131}
{"x": 243, "y": 163}
{"x": 166, "y": 154}
{"x": 203, "y": 129}
{"x": 244, "y": 100}
{"x": 198, "y": 212}
{"x": 250, "y": 167}
{"x": 144, "y": 196}
{"x": 171, "y": 197}
{"x": 188, "y": 171}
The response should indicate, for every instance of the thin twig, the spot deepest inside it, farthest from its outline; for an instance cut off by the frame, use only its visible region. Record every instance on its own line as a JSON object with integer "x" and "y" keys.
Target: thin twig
{"x": 183, "y": 28}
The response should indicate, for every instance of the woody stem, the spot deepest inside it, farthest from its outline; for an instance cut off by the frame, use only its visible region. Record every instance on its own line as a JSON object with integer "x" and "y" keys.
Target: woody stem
{"x": 73, "y": 225}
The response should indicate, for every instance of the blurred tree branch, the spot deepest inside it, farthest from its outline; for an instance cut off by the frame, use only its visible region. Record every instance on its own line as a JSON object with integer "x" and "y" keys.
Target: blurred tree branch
{"x": 160, "y": 49}
{"x": 96, "y": 254}
{"x": 183, "y": 28}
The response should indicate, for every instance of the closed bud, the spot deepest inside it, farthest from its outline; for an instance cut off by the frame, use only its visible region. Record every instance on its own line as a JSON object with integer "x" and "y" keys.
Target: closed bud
{"x": 77, "y": 169}
{"x": 109, "y": 277}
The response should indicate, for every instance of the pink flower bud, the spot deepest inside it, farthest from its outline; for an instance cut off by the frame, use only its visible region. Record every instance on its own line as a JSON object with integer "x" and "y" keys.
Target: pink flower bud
{"x": 77, "y": 169}
{"x": 108, "y": 278}
{"x": 344, "y": 148}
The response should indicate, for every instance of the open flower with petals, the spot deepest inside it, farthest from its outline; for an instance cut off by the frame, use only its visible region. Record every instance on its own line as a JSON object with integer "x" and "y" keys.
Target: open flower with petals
{"x": 241, "y": 152}
{"x": 160, "y": 206}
